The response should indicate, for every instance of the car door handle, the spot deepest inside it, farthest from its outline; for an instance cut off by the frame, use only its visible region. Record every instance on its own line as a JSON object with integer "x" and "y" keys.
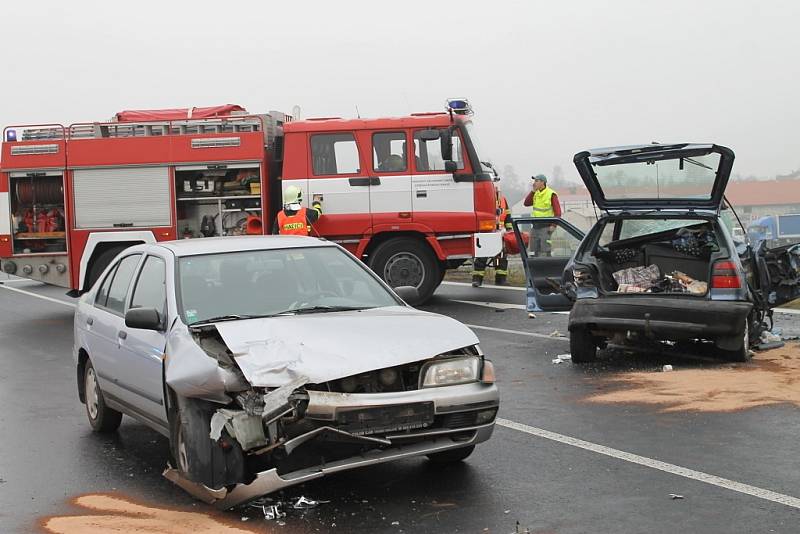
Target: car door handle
{"x": 89, "y": 321}
{"x": 122, "y": 334}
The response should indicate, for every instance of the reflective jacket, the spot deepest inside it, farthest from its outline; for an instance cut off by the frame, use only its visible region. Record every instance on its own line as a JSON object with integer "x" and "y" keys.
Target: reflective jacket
{"x": 542, "y": 205}
{"x": 296, "y": 224}
{"x": 504, "y": 214}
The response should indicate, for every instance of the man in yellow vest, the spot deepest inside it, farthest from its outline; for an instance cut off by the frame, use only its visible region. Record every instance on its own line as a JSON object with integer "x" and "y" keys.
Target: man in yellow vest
{"x": 544, "y": 203}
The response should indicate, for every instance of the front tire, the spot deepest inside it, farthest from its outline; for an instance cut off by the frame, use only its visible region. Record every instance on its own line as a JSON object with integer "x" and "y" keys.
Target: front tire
{"x": 407, "y": 262}
{"x": 197, "y": 457}
{"x": 103, "y": 419}
{"x": 451, "y": 456}
{"x": 582, "y": 346}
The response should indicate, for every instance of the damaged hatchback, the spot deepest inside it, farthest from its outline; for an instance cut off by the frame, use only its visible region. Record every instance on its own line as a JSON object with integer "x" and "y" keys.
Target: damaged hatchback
{"x": 660, "y": 264}
{"x": 272, "y": 361}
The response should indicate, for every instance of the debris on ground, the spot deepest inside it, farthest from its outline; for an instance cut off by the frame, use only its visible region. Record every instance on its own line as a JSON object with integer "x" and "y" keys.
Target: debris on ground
{"x": 666, "y": 368}
{"x": 276, "y": 509}
{"x": 561, "y": 358}
{"x": 531, "y": 316}
{"x": 770, "y": 340}
{"x": 674, "y": 496}
{"x": 557, "y": 360}
{"x": 304, "y": 503}
{"x": 556, "y": 333}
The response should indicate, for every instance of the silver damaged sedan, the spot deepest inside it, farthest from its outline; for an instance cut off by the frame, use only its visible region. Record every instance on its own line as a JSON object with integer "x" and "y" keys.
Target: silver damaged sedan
{"x": 271, "y": 361}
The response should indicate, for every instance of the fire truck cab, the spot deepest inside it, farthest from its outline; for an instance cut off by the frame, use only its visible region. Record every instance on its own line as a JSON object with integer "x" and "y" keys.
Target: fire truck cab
{"x": 408, "y": 195}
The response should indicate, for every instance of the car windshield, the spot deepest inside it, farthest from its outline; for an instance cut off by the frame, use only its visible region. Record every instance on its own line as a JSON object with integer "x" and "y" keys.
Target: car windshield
{"x": 688, "y": 177}
{"x": 258, "y": 283}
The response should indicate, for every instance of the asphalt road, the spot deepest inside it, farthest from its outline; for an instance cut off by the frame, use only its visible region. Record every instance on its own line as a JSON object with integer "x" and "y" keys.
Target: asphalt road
{"x": 557, "y": 464}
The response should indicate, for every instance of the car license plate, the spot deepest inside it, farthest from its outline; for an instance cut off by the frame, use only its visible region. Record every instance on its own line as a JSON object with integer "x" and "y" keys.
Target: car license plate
{"x": 384, "y": 419}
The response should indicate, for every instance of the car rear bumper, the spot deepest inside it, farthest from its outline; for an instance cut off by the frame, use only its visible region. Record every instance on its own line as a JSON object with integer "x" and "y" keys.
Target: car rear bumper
{"x": 661, "y": 317}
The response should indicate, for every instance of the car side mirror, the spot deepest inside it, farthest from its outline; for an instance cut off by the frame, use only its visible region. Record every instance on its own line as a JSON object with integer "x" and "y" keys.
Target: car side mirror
{"x": 450, "y": 166}
{"x": 144, "y": 319}
{"x": 407, "y": 293}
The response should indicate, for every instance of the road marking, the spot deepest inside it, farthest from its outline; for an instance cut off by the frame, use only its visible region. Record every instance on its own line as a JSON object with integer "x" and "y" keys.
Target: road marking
{"x": 487, "y": 286}
{"x": 50, "y": 299}
{"x": 787, "y": 310}
{"x": 516, "y": 332}
{"x": 685, "y": 472}
{"x": 500, "y": 305}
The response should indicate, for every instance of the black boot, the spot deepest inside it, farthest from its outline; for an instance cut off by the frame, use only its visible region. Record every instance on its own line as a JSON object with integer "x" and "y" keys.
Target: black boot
{"x": 500, "y": 280}
{"x": 477, "y": 280}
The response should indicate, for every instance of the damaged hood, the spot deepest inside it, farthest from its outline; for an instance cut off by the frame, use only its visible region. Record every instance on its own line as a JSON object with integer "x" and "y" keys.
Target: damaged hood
{"x": 326, "y": 346}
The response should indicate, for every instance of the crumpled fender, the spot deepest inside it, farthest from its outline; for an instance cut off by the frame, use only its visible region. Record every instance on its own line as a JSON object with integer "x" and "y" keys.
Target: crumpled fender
{"x": 190, "y": 372}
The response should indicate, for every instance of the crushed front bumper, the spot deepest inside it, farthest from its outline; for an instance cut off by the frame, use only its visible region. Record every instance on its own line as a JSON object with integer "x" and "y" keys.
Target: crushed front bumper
{"x": 661, "y": 317}
{"x": 455, "y": 423}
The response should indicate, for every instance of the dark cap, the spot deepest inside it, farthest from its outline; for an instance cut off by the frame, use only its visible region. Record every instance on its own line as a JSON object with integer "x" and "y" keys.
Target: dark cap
{"x": 541, "y": 177}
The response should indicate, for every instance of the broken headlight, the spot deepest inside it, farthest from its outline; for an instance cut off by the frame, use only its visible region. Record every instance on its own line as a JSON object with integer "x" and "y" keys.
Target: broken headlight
{"x": 450, "y": 371}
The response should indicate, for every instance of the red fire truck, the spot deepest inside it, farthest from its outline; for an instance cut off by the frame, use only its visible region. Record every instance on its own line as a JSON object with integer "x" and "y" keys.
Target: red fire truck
{"x": 409, "y": 196}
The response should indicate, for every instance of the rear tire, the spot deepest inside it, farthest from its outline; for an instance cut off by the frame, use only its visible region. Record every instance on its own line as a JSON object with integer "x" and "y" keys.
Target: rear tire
{"x": 103, "y": 419}
{"x": 407, "y": 261}
{"x": 582, "y": 346}
{"x": 742, "y": 351}
{"x": 451, "y": 456}
{"x": 197, "y": 457}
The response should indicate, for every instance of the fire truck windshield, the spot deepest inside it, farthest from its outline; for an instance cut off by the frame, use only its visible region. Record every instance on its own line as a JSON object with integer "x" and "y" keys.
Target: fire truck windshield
{"x": 469, "y": 126}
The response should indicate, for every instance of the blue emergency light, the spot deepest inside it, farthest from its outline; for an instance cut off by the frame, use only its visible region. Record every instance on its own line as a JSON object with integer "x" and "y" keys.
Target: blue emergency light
{"x": 459, "y": 106}
{"x": 11, "y": 135}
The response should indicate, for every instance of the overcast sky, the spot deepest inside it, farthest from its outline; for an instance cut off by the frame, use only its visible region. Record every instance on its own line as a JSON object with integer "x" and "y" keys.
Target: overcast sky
{"x": 547, "y": 79}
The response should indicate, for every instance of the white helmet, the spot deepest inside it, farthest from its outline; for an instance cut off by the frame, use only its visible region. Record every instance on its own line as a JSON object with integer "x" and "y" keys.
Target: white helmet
{"x": 292, "y": 197}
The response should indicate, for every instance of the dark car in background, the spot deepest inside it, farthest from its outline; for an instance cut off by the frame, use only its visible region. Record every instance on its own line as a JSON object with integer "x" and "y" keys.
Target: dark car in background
{"x": 659, "y": 264}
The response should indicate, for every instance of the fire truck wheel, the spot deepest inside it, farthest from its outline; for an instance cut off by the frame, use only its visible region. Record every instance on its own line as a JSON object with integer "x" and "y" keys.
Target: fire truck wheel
{"x": 407, "y": 262}
{"x": 99, "y": 264}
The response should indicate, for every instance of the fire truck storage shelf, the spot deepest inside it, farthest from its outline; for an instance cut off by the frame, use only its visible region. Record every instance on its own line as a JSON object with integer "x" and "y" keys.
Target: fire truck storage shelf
{"x": 37, "y": 212}
{"x": 217, "y": 200}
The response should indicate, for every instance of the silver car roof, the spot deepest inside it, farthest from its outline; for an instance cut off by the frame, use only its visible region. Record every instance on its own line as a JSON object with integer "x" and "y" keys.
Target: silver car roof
{"x": 216, "y": 245}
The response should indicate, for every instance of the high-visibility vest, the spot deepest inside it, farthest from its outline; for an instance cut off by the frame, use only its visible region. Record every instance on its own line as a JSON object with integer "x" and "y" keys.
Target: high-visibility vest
{"x": 543, "y": 203}
{"x": 503, "y": 219}
{"x": 296, "y": 224}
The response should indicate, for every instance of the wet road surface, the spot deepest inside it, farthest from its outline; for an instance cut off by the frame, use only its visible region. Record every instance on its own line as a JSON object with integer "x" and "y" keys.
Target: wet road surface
{"x": 533, "y": 471}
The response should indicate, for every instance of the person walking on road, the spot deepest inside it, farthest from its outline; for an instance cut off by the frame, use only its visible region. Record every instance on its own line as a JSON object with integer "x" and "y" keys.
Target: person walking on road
{"x": 543, "y": 202}
{"x": 294, "y": 219}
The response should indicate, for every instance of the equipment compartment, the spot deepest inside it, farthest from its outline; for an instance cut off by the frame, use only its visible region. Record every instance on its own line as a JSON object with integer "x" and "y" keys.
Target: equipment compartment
{"x": 218, "y": 200}
{"x": 37, "y": 213}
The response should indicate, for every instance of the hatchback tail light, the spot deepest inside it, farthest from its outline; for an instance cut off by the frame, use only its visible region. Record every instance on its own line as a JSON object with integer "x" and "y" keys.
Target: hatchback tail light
{"x": 725, "y": 275}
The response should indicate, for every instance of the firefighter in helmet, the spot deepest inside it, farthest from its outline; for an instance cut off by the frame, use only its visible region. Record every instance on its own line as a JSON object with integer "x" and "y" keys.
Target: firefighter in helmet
{"x": 501, "y": 260}
{"x": 294, "y": 219}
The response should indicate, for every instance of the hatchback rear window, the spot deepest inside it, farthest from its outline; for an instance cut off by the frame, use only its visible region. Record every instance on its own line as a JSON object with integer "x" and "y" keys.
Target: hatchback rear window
{"x": 690, "y": 178}
{"x": 639, "y": 227}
